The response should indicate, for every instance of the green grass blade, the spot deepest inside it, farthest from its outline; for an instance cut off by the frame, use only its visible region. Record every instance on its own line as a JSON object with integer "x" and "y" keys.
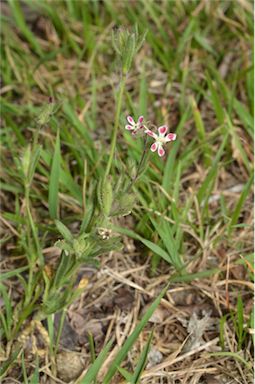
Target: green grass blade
{"x": 132, "y": 338}
{"x": 164, "y": 230}
{"x": 240, "y": 321}
{"x": 143, "y": 95}
{"x": 20, "y": 21}
{"x": 234, "y": 355}
{"x": 142, "y": 361}
{"x": 236, "y": 144}
{"x": 8, "y": 309}
{"x": 54, "y": 180}
{"x": 235, "y": 215}
{"x": 95, "y": 367}
{"x": 192, "y": 276}
{"x": 169, "y": 168}
{"x": 201, "y": 132}
{"x": 149, "y": 244}
{"x": 34, "y": 379}
{"x": 216, "y": 102}
{"x": 207, "y": 185}
{"x": 8, "y": 275}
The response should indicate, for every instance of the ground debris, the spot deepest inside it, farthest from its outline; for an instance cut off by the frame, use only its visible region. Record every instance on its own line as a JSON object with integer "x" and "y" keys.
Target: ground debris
{"x": 196, "y": 328}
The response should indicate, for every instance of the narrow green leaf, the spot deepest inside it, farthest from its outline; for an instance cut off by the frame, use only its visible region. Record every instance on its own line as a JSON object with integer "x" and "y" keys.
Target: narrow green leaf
{"x": 165, "y": 232}
{"x": 153, "y": 247}
{"x": 33, "y": 162}
{"x": 192, "y": 276}
{"x": 170, "y": 166}
{"x": 132, "y": 338}
{"x": 73, "y": 118}
{"x": 143, "y": 94}
{"x": 64, "y": 231}
{"x": 15, "y": 272}
{"x": 207, "y": 185}
{"x": 219, "y": 111}
{"x": 127, "y": 375}
{"x": 201, "y": 132}
{"x": 237, "y": 144}
{"x": 21, "y": 24}
{"x": 54, "y": 180}
{"x": 240, "y": 321}
{"x": 142, "y": 361}
{"x": 34, "y": 379}
{"x": 235, "y": 215}
{"x": 95, "y": 367}
{"x": 8, "y": 307}
{"x": 234, "y": 355}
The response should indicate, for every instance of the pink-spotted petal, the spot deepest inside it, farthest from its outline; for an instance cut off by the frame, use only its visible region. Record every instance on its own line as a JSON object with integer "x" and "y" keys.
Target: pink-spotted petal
{"x": 162, "y": 130}
{"x": 140, "y": 120}
{"x": 129, "y": 127}
{"x": 130, "y": 120}
{"x": 154, "y": 147}
{"x": 151, "y": 134}
{"x": 161, "y": 151}
{"x": 171, "y": 137}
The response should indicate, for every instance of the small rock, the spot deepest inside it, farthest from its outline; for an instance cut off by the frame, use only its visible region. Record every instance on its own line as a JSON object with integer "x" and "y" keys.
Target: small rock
{"x": 154, "y": 357}
{"x": 69, "y": 365}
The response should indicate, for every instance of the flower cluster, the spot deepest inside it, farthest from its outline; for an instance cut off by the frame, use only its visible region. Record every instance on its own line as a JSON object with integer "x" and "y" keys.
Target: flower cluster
{"x": 161, "y": 138}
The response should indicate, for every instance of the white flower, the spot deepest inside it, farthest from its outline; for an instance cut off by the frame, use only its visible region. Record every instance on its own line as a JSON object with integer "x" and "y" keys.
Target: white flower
{"x": 161, "y": 139}
{"x": 132, "y": 126}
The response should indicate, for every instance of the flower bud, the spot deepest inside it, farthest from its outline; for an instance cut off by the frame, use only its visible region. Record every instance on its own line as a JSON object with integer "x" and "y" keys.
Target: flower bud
{"x": 25, "y": 161}
{"x": 126, "y": 45}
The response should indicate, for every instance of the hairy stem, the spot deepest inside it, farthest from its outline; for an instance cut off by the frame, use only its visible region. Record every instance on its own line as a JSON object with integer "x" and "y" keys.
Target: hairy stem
{"x": 139, "y": 165}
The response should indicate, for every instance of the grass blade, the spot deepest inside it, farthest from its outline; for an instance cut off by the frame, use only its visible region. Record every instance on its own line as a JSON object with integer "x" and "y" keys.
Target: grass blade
{"x": 95, "y": 367}
{"x": 149, "y": 244}
{"x": 54, "y": 180}
{"x": 142, "y": 361}
{"x": 235, "y": 215}
{"x": 165, "y": 232}
{"x": 19, "y": 18}
{"x": 132, "y": 338}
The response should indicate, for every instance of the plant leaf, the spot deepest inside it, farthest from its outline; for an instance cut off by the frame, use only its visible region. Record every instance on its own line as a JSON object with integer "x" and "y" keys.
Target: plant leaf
{"x": 54, "y": 180}
{"x": 122, "y": 353}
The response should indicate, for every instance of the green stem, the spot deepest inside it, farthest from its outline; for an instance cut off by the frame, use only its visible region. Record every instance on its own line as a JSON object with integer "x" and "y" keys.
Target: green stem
{"x": 32, "y": 229}
{"x": 139, "y": 166}
{"x": 116, "y": 124}
{"x": 60, "y": 329}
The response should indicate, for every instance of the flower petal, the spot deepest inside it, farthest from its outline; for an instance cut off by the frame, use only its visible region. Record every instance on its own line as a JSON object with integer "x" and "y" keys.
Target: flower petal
{"x": 151, "y": 134}
{"x": 130, "y": 120}
{"x": 162, "y": 130}
{"x": 170, "y": 137}
{"x": 129, "y": 127}
{"x": 154, "y": 147}
{"x": 140, "y": 120}
{"x": 161, "y": 151}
